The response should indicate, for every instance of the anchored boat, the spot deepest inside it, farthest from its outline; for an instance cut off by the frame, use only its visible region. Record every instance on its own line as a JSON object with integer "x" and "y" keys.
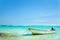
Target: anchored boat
{"x": 41, "y": 32}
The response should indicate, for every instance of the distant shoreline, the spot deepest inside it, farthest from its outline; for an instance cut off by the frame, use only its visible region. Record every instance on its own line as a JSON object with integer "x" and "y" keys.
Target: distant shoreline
{"x": 29, "y": 25}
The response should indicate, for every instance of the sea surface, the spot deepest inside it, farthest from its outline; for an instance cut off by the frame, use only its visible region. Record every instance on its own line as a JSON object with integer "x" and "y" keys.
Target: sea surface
{"x": 24, "y": 34}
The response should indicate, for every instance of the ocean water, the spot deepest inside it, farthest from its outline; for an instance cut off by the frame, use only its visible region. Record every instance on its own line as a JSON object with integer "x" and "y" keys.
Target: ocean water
{"x": 24, "y": 34}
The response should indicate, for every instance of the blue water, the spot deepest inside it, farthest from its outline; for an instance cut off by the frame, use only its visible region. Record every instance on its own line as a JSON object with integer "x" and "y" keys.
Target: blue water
{"x": 22, "y": 30}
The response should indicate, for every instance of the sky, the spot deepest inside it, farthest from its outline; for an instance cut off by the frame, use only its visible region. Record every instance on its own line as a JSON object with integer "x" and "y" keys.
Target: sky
{"x": 29, "y": 12}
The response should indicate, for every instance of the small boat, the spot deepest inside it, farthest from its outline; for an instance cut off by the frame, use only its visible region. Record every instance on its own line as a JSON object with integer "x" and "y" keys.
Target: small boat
{"x": 41, "y": 32}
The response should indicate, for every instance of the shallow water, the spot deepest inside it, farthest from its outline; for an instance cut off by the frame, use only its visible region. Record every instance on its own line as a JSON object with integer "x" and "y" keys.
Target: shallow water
{"x": 24, "y": 34}
{"x": 34, "y": 37}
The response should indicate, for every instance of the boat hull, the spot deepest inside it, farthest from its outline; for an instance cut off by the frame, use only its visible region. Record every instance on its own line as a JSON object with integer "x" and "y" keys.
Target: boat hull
{"x": 41, "y": 32}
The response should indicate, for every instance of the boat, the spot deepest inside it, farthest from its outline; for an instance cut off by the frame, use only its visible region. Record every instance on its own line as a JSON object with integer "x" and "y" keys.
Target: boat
{"x": 41, "y": 32}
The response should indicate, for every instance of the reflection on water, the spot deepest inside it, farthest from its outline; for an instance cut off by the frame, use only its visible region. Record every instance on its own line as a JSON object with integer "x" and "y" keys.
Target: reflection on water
{"x": 42, "y": 37}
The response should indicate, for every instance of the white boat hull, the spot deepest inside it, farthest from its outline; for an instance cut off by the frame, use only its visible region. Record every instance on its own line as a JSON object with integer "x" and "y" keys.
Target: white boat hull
{"x": 36, "y": 32}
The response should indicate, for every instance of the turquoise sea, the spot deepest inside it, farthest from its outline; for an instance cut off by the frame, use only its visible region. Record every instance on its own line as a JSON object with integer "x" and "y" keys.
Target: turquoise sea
{"x": 24, "y": 34}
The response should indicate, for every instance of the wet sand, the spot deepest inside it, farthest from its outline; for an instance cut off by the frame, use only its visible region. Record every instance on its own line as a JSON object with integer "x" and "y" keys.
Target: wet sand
{"x": 29, "y": 37}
